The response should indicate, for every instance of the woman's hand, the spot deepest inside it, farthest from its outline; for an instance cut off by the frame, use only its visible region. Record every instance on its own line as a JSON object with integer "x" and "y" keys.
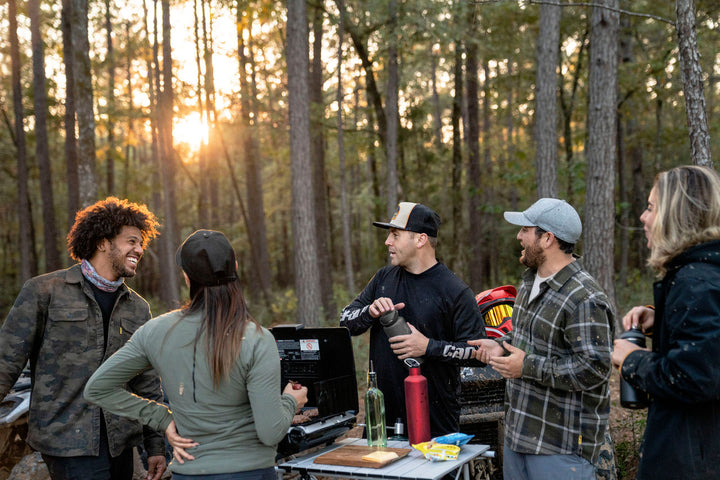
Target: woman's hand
{"x": 299, "y": 394}
{"x": 643, "y": 317}
{"x": 621, "y": 350}
{"x": 179, "y": 443}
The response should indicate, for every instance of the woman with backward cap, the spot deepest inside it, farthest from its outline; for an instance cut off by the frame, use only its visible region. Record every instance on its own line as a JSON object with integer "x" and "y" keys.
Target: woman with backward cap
{"x": 220, "y": 370}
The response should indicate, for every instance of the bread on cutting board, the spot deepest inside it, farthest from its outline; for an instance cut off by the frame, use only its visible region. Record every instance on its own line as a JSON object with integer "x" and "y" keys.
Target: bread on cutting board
{"x": 380, "y": 456}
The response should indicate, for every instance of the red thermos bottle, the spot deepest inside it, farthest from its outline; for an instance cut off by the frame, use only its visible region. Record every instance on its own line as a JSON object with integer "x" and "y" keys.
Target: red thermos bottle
{"x": 417, "y": 404}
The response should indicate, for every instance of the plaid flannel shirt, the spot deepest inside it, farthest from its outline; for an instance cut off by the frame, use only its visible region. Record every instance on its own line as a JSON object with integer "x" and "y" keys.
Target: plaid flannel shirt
{"x": 561, "y": 403}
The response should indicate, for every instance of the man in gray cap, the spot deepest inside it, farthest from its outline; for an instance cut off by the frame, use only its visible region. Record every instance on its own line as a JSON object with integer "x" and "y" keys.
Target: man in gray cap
{"x": 557, "y": 357}
{"x": 439, "y": 307}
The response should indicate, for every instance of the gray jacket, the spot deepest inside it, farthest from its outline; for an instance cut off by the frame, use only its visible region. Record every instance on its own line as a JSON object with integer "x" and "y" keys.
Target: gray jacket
{"x": 57, "y": 325}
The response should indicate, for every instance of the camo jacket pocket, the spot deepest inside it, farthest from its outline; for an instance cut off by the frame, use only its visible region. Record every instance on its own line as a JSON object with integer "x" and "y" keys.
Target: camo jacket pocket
{"x": 68, "y": 328}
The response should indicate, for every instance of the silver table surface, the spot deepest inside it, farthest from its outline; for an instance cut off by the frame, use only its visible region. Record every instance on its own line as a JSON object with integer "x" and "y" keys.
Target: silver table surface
{"x": 414, "y": 466}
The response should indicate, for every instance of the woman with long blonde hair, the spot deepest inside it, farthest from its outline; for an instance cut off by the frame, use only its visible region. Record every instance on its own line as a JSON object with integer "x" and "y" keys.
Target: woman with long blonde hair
{"x": 681, "y": 373}
{"x": 220, "y": 370}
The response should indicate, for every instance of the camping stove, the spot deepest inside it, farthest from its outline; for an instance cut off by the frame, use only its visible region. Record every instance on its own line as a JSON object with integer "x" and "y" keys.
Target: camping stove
{"x": 321, "y": 359}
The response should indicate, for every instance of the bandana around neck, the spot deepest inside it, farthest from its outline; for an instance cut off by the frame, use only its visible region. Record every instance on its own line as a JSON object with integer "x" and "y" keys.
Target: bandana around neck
{"x": 102, "y": 283}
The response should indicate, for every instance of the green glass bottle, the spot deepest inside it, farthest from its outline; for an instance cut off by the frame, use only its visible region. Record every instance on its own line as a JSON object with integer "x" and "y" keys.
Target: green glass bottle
{"x": 374, "y": 412}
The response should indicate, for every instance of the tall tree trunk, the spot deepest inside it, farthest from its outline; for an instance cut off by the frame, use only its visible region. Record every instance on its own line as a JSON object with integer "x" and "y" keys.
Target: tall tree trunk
{"x": 567, "y": 107}
{"x": 473, "y": 141}
{"x": 42, "y": 150}
{"x": 599, "y": 231}
{"x": 213, "y": 154}
{"x": 110, "y": 64}
{"x": 631, "y": 159}
{"x": 317, "y": 109}
{"x": 345, "y": 212}
{"x": 151, "y": 64}
{"x": 510, "y": 128}
{"x": 488, "y": 248}
{"x": 391, "y": 112}
{"x": 435, "y": 100}
{"x": 26, "y": 242}
{"x": 372, "y": 163}
{"x": 203, "y": 211}
{"x": 285, "y": 268}
{"x": 360, "y": 242}
{"x": 307, "y": 276}
{"x": 168, "y": 272}
{"x": 130, "y": 140}
{"x": 457, "y": 159}
{"x": 256, "y": 227}
{"x": 71, "y": 148}
{"x": 624, "y": 214}
{"x": 87, "y": 162}
{"x": 639, "y": 201}
{"x": 659, "y": 128}
{"x": 692, "y": 83}
{"x": 546, "y": 100}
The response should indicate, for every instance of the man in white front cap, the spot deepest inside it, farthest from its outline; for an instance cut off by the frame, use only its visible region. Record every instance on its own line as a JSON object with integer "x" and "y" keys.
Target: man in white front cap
{"x": 439, "y": 307}
{"x": 557, "y": 357}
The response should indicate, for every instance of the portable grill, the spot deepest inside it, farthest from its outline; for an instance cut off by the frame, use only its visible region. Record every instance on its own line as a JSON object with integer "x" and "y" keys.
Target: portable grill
{"x": 321, "y": 359}
{"x": 482, "y": 410}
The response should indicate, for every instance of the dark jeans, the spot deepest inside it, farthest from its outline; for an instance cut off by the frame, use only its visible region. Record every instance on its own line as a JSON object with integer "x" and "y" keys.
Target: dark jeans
{"x": 260, "y": 474}
{"x": 100, "y": 467}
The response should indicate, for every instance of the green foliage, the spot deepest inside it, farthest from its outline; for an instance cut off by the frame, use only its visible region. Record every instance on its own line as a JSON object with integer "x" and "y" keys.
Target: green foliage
{"x": 638, "y": 291}
{"x": 361, "y": 354}
{"x": 283, "y": 306}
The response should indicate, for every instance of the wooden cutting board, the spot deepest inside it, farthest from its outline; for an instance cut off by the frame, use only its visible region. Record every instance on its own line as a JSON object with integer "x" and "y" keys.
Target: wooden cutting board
{"x": 351, "y": 456}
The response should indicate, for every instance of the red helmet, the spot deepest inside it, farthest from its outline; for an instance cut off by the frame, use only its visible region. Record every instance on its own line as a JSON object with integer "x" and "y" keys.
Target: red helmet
{"x": 496, "y": 307}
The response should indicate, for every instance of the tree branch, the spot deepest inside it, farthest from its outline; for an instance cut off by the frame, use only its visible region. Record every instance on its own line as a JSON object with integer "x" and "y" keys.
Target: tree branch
{"x": 583, "y": 4}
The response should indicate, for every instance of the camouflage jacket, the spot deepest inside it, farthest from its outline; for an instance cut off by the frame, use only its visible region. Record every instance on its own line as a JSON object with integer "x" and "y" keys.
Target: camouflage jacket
{"x": 57, "y": 325}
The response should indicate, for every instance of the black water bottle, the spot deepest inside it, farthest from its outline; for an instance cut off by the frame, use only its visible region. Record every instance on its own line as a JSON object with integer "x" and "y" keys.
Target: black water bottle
{"x": 393, "y": 324}
{"x": 630, "y": 397}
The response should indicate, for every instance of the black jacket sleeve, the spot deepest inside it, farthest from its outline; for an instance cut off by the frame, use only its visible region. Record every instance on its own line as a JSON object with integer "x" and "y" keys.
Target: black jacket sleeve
{"x": 467, "y": 325}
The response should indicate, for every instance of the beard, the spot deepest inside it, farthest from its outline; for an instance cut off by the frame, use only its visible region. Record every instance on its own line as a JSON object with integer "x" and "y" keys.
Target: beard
{"x": 533, "y": 257}
{"x": 117, "y": 261}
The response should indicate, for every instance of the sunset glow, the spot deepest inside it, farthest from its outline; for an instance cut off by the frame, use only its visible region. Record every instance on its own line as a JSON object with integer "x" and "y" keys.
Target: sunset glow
{"x": 192, "y": 130}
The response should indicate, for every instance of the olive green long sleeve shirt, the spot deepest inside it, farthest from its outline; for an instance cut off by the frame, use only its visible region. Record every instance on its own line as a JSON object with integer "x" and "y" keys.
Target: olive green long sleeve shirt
{"x": 237, "y": 424}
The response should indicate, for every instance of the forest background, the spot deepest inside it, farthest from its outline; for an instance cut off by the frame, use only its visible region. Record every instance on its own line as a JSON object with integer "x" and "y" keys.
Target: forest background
{"x": 291, "y": 126}
{"x": 472, "y": 108}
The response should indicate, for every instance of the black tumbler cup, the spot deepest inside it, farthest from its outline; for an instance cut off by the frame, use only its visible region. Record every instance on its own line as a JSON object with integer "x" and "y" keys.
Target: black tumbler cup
{"x": 631, "y": 397}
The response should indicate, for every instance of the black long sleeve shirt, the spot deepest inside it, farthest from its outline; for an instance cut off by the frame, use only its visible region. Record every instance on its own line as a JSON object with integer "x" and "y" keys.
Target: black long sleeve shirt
{"x": 443, "y": 308}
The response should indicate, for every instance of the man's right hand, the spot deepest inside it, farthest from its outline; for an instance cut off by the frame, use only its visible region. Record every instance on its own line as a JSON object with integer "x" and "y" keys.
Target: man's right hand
{"x": 643, "y": 317}
{"x": 486, "y": 349}
{"x": 383, "y": 305}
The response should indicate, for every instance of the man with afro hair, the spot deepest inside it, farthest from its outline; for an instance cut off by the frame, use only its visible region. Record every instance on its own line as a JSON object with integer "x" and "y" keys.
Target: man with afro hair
{"x": 66, "y": 323}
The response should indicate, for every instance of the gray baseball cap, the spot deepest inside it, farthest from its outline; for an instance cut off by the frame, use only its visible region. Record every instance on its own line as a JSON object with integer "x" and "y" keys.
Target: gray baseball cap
{"x": 552, "y": 215}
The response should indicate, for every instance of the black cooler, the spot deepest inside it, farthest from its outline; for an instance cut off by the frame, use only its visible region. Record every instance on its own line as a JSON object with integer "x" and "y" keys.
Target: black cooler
{"x": 321, "y": 359}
